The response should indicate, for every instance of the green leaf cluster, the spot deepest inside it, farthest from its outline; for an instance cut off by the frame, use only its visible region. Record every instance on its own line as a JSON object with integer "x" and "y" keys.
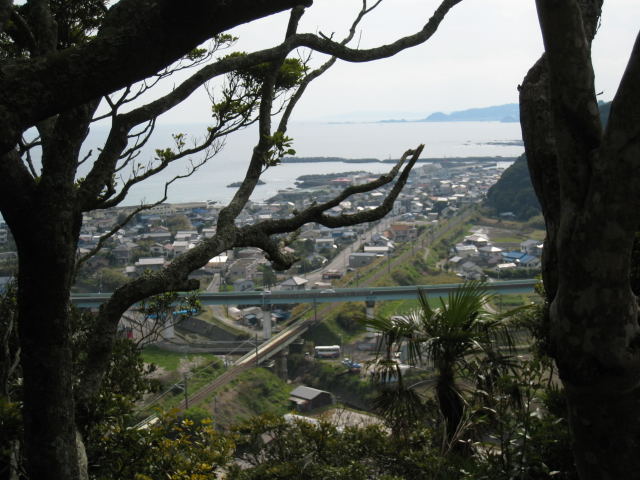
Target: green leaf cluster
{"x": 279, "y": 146}
{"x": 289, "y": 75}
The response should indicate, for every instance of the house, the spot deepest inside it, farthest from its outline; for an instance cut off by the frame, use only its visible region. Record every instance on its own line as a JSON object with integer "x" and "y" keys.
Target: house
{"x": 162, "y": 209}
{"x": 208, "y": 232}
{"x": 471, "y": 271}
{"x": 294, "y": 283}
{"x": 157, "y": 249}
{"x": 379, "y": 240}
{"x": 378, "y": 250}
{"x": 323, "y": 243}
{"x": 466, "y": 250}
{"x": 187, "y": 235}
{"x": 529, "y": 261}
{"x": 477, "y": 239}
{"x": 305, "y": 399}
{"x": 243, "y": 268}
{"x": 491, "y": 254}
{"x": 512, "y": 257}
{"x": 160, "y": 237}
{"x": 218, "y": 263}
{"x": 505, "y": 266}
{"x": 455, "y": 260}
{"x": 181, "y": 246}
{"x": 403, "y": 231}
{"x": 149, "y": 263}
{"x": 122, "y": 253}
{"x": 531, "y": 247}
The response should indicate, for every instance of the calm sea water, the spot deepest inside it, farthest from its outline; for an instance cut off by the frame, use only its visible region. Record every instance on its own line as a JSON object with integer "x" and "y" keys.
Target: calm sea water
{"x": 382, "y": 141}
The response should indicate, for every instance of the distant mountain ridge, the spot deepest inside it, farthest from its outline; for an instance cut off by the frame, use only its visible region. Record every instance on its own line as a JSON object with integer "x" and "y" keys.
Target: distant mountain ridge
{"x": 508, "y": 113}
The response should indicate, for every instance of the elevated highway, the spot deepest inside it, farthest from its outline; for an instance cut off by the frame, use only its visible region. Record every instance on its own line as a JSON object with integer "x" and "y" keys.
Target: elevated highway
{"x": 366, "y": 294}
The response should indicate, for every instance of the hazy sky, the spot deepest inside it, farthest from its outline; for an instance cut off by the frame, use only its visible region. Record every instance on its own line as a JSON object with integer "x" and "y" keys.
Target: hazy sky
{"x": 477, "y": 58}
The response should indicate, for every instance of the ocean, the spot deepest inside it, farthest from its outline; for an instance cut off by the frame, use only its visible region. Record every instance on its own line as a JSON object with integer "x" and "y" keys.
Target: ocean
{"x": 358, "y": 140}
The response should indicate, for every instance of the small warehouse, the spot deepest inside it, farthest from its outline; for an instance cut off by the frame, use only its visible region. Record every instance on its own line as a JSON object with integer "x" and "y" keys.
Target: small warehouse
{"x": 305, "y": 399}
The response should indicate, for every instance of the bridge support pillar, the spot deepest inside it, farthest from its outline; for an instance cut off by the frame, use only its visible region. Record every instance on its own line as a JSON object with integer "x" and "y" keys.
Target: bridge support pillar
{"x": 281, "y": 364}
{"x": 370, "y": 307}
{"x": 168, "y": 332}
{"x": 266, "y": 323}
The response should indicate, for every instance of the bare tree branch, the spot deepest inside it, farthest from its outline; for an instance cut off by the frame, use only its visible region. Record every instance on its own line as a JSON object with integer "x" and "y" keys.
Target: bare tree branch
{"x": 102, "y": 171}
{"x": 282, "y": 127}
{"x": 85, "y": 158}
{"x": 261, "y": 234}
{"x": 329, "y": 47}
{"x": 25, "y": 152}
{"x": 119, "y": 225}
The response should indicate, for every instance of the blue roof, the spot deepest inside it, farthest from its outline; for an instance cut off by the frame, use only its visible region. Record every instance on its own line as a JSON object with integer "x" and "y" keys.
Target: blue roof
{"x": 528, "y": 258}
{"x": 513, "y": 255}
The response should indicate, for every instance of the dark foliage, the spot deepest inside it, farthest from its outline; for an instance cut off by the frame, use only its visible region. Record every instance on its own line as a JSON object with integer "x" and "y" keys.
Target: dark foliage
{"x": 514, "y": 192}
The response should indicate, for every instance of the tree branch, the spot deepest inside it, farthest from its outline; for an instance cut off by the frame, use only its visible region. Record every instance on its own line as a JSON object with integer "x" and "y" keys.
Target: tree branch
{"x": 21, "y": 33}
{"x": 116, "y": 229}
{"x": 571, "y": 78}
{"x": 17, "y": 190}
{"x": 325, "y": 45}
{"x": 43, "y": 27}
{"x": 623, "y": 127}
{"x": 536, "y": 119}
{"x": 259, "y": 234}
{"x": 138, "y": 39}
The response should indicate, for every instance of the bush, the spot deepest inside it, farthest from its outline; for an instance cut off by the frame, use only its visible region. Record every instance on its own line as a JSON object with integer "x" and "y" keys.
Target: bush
{"x": 351, "y": 316}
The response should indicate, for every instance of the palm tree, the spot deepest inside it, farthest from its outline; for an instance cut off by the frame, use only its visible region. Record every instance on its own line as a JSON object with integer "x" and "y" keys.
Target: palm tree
{"x": 453, "y": 337}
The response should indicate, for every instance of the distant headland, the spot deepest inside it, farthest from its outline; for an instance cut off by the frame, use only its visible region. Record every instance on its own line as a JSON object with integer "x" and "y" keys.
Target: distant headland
{"x": 507, "y": 113}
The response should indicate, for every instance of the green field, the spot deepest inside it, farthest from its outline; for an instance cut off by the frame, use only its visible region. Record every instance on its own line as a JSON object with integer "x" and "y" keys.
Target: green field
{"x": 170, "y": 360}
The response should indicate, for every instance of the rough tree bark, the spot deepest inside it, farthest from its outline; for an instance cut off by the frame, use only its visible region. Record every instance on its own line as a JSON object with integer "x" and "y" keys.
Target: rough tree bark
{"x": 56, "y": 91}
{"x": 586, "y": 180}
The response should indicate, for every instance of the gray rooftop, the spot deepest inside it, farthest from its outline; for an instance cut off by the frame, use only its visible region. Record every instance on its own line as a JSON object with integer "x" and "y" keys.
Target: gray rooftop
{"x": 306, "y": 393}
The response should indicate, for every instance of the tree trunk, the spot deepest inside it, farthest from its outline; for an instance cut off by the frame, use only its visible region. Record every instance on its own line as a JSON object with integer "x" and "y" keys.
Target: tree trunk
{"x": 450, "y": 403}
{"x": 586, "y": 181}
{"x": 605, "y": 428}
{"x": 47, "y": 256}
{"x": 594, "y": 331}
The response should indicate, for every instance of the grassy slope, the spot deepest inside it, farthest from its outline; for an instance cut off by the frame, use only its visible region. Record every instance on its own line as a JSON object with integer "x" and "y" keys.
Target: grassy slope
{"x": 255, "y": 392}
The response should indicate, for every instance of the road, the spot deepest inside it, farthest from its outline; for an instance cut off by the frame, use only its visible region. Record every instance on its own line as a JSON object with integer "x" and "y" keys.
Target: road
{"x": 341, "y": 260}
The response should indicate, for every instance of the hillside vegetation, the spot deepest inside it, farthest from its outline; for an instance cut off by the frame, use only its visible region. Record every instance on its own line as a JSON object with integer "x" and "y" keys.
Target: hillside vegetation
{"x": 514, "y": 192}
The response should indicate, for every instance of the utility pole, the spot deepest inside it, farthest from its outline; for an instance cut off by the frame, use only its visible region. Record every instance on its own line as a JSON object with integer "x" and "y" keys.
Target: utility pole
{"x": 256, "y": 349}
{"x": 315, "y": 311}
{"x": 186, "y": 393}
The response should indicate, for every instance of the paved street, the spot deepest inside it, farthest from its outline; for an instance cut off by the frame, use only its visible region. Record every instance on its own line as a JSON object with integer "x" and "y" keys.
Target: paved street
{"x": 341, "y": 261}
